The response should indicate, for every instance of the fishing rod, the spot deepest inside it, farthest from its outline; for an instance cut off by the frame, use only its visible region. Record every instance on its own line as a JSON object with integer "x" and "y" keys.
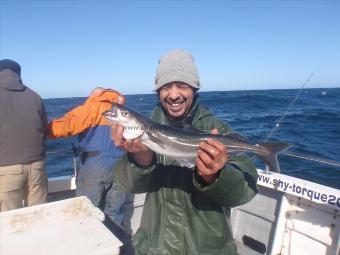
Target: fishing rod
{"x": 284, "y": 115}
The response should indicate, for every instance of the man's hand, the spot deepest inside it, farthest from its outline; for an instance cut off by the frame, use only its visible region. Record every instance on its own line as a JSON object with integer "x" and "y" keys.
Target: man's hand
{"x": 141, "y": 153}
{"x": 212, "y": 155}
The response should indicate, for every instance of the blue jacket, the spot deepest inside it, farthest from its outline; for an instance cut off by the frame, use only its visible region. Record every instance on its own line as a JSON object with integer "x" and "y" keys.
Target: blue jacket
{"x": 94, "y": 131}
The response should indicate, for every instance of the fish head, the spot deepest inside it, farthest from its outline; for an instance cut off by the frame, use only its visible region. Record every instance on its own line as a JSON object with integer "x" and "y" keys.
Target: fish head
{"x": 133, "y": 127}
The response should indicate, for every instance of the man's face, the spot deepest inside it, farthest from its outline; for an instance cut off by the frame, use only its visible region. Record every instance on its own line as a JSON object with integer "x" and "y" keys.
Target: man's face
{"x": 176, "y": 98}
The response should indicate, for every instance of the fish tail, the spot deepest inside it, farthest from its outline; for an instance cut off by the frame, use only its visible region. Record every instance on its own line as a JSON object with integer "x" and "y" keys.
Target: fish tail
{"x": 270, "y": 156}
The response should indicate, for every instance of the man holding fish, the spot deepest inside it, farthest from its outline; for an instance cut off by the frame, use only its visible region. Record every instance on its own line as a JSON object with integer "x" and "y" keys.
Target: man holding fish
{"x": 184, "y": 207}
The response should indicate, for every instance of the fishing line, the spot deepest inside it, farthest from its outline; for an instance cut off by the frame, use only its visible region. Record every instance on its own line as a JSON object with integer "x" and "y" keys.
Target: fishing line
{"x": 284, "y": 115}
{"x": 311, "y": 158}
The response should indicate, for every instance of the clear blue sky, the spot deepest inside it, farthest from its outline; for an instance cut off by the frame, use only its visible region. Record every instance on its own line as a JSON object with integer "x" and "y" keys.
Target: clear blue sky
{"x": 66, "y": 48}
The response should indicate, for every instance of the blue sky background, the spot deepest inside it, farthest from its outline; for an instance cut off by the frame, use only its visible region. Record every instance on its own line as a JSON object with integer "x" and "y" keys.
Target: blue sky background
{"x": 66, "y": 48}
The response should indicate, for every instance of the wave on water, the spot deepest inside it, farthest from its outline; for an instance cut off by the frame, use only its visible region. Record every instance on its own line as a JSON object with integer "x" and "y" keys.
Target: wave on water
{"x": 312, "y": 126}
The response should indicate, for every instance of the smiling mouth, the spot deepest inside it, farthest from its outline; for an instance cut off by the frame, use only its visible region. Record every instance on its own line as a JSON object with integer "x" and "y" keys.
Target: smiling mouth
{"x": 177, "y": 104}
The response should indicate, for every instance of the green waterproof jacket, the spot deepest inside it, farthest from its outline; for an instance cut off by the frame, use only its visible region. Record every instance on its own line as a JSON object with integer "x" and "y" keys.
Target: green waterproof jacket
{"x": 182, "y": 214}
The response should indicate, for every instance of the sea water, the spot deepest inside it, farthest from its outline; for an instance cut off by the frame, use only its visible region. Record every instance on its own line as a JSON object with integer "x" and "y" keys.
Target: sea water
{"x": 312, "y": 126}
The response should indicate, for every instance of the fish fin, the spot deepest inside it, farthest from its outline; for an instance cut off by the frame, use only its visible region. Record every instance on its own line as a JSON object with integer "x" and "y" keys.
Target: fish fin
{"x": 237, "y": 136}
{"x": 270, "y": 158}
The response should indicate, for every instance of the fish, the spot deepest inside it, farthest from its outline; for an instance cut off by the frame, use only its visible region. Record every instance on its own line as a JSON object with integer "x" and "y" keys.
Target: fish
{"x": 182, "y": 143}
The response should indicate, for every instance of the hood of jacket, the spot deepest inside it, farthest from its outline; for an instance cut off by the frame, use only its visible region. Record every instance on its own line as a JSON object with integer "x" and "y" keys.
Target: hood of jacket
{"x": 10, "y": 80}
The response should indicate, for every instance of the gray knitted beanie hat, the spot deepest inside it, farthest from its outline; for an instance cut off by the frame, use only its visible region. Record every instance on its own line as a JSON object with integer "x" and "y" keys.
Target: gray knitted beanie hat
{"x": 177, "y": 65}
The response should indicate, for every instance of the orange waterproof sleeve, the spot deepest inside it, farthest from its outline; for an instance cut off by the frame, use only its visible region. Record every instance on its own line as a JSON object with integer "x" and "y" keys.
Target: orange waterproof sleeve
{"x": 82, "y": 117}
{"x": 72, "y": 123}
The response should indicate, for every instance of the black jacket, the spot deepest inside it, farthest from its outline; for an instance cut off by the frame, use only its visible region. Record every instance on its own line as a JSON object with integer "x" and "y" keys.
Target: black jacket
{"x": 23, "y": 121}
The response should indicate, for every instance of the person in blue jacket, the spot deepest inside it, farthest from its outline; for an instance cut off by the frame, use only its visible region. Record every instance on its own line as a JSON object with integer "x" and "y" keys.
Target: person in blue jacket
{"x": 98, "y": 152}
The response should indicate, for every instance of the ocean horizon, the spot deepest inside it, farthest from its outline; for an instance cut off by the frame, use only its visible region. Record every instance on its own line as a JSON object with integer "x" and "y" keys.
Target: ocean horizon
{"x": 312, "y": 126}
{"x": 206, "y": 91}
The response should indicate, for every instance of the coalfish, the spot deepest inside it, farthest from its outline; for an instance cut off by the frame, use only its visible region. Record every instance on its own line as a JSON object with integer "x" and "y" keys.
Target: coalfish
{"x": 182, "y": 144}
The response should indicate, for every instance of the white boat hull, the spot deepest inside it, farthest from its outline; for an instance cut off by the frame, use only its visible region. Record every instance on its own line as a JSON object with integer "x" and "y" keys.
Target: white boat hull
{"x": 279, "y": 220}
{"x": 288, "y": 216}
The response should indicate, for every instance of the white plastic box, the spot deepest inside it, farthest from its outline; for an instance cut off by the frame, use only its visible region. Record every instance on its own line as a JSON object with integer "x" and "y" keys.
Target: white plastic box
{"x": 71, "y": 226}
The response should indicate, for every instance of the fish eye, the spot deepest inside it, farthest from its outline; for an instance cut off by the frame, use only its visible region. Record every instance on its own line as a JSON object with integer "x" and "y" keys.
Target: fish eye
{"x": 125, "y": 113}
